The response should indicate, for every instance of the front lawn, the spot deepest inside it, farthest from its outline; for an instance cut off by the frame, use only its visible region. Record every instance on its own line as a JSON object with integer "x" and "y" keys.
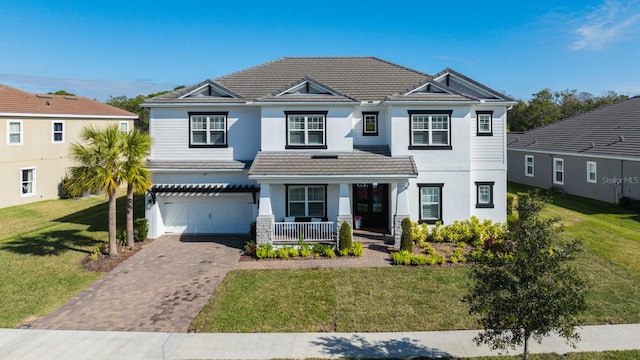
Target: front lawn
{"x": 41, "y": 247}
{"x": 414, "y": 299}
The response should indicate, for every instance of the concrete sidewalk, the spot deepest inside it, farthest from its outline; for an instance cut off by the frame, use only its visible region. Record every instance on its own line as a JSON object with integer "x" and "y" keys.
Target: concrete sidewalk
{"x": 72, "y": 344}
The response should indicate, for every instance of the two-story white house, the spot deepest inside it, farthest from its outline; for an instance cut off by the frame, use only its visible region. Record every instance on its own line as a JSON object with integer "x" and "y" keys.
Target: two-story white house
{"x": 300, "y": 145}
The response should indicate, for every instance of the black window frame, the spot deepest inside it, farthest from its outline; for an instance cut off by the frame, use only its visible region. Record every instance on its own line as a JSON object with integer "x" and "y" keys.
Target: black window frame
{"x": 526, "y": 165}
{"x": 421, "y": 220}
{"x": 430, "y": 112}
{"x": 364, "y": 124}
{"x": 210, "y": 113}
{"x": 490, "y": 204}
{"x": 54, "y": 132}
{"x": 304, "y": 146}
{"x": 484, "y": 133}
{"x": 306, "y": 186}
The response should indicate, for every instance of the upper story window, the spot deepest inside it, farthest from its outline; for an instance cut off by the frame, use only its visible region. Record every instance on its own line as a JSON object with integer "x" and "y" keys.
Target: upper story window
{"x": 208, "y": 129}
{"x": 430, "y": 130}
{"x": 430, "y": 202}
{"x": 124, "y": 126}
{"x": 14, "y": 132}
{"x": 484, "y": 194}
{"x": 27, "y": 182}
{"x": 370, "y": 123}
{"x": 306, "y": 130}
{"x": 528, "y": 165}
{"x": 558, "y": 171}
{"x": 485, "y": 123}
{"x": 591, "y": 172}
{"x": 57, "y": 131}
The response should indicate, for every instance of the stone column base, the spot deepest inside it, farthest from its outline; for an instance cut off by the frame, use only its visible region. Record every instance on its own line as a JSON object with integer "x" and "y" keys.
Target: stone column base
{"x": 397, "y": 229}
{"x": 264, "y": 229}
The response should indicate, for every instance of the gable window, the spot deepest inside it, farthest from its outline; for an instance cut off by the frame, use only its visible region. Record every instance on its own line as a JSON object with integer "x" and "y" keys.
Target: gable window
{"x": 124, "y": 126}
{"x": 306, "y": 201}
{"x": 484, "y": 194}
{"x": 370, "y": 123}
{"x": 528, "y": 165}
{"x": 14, "y": 132}
{"x": 591, "y": 172}
{"x": 484, "y": 123}
{"x": 208, "y": 129}
{"x": 57, "y": 131}
{"x": 306, "y": 130}
{"x": 430, "y": 202}
{"x": 27, "y": 181}
{"x": 430, "y": 130}
{"x": 558, "y": 171}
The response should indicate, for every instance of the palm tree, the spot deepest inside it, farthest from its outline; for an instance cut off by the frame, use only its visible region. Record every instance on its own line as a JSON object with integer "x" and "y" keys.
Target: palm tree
{"x": 136, "y": 145}
{"x": 99, "y": 168}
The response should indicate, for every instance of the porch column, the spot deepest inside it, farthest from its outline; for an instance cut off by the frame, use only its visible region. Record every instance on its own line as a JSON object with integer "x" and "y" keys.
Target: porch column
{"x": 344, "y": 208}
{"x": 402, "y": 211}
{"x": 265, "y": 220}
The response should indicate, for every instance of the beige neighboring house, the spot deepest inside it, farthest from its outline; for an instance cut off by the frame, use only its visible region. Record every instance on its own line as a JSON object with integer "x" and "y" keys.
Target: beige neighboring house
{"x": 36, "y": 133}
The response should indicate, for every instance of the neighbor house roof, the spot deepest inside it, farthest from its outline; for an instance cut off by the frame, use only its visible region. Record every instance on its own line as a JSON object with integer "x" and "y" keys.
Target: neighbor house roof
{"x": 344, "y": 79}
{"x": 367, "y": 162}
{"x": 17, "y": 102}
{"x": 613, "y": 130}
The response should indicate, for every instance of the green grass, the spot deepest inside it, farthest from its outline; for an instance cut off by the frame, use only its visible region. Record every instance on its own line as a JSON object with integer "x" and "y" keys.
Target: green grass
{"x": 41, "y": 247}
{"x": 419, "y": 299}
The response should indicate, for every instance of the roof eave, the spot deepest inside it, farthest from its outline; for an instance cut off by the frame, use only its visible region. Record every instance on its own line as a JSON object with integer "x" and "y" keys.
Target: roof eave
{"x": 67, "y": 116}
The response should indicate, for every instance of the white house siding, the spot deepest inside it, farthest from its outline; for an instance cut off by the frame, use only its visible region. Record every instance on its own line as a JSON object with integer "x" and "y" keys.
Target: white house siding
{"x": 383, "y": 126}
{"x": 339, "y": 128}
{"x": 455, "y": 194}
{"x": 169, "y": 128}
{"x": 488, "y": 148}
{"x": 499, "y": 211}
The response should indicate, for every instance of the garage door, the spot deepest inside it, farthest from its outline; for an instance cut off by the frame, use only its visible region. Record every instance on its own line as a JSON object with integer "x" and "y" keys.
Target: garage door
{"x": 224, "y": 214}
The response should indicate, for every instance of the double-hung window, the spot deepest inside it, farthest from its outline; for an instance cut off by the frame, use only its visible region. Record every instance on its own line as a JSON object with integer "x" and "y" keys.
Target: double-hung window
{"x": 591, "y": 172}
{"x": 558, "y": 171}
{"x": 306, "y": 130}
{"x": 484, "y": 123}
{"x": 430, "y": 130}
{"x": 14, "y": 132}
{"x": 208, "y": 129}
{"x": 528, "y": 165}
{"x": 306, "y": 201}
{"x": 57, "y": 131}
{"x": 430, "y": 202}
{"x": 484, "y": 194}
{"x": 369, "y": 123}
{"x": 27, "y": 181}
{"x": 124, "y": 126}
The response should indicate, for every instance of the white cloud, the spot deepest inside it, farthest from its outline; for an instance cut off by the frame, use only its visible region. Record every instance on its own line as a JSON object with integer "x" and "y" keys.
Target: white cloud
{"x": 91, "y": 88}
{"x": 611, "y": 22}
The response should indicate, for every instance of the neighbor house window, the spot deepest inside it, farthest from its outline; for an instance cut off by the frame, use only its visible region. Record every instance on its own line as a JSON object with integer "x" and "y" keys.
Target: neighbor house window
{"x": 558, "y": 171}
{"x": 27, "y": 181}
{"x": 208, "y": 129}
{"x": 306, "y": 130}
{"x": 485, "y": 123}
{"x": 57, "y": 131}
{"x": 14, "y": 132}
{"x": 124, "y": 126}
{"x": 528, "y": 165}
{"x": 430, "y": 129}
{"x": 591, "y": 172}
{"x": 430, "y": 202}
{"x": 306, "y": 201}
{"x": 484, "y": 194}
{"x": 370, "y": 123}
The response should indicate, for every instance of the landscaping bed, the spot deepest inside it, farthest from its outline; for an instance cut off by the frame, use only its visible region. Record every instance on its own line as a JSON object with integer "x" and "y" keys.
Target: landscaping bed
{"x": 105, "y": 263}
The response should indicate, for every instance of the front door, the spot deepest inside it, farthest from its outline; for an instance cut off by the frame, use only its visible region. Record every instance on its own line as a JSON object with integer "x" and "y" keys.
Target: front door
{"x": 371, "y": 202}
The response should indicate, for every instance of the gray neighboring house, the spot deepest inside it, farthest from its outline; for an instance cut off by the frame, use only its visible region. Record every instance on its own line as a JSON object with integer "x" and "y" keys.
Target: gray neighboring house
{"x": 594, "y": 155}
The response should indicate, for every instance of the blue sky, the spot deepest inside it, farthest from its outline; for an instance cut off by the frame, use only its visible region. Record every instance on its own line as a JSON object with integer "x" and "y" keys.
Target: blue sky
{"x": 102, "y": 48}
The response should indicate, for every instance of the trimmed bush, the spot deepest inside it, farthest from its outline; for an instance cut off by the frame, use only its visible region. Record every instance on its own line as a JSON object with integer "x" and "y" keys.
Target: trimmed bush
{"x": 406, "y": 242}
{"x": 346, "y": 239}
{"x": 140, "y": 229}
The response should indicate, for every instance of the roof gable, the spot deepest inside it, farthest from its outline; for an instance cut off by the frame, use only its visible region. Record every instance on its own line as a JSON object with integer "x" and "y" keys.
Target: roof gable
{"x": 464, "y": 85}
{"x": 209, "y": 89}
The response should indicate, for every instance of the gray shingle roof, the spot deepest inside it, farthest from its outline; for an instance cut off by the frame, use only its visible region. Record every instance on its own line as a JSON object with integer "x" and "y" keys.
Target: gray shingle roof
{"x": 613, "y": 130}
{"x": 366, "y": 161}
{"x": 354, "y": 78}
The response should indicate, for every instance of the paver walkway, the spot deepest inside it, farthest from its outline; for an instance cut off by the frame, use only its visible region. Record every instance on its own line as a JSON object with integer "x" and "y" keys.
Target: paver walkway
{"x": 163, "y": 287}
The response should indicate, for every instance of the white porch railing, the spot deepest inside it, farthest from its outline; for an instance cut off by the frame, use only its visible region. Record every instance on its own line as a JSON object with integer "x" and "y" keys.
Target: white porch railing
{"x": 312, "y": 231}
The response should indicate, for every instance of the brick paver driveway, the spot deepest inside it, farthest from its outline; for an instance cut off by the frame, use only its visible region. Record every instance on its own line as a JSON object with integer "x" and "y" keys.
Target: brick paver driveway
{"x": 161, "y": 288}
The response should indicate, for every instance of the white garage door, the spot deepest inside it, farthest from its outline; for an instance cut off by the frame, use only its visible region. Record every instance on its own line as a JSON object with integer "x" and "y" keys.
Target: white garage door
{"x": 223, "y": 214}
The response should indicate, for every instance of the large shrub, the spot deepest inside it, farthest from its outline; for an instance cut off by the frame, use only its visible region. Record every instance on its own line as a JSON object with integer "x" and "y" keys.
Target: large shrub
{"x": 345, "y": 237}
{"x": 406, "y": 242}
{"x": 140, "y": 229}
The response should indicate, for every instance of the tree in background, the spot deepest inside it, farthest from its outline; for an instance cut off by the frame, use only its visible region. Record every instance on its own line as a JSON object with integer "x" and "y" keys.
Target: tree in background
{"x": 547, "y": 106}
{"x": 61, "y": 92}
{"x": 534, "y": 292}
{"x": 135, "y": 149}
{"x": 134, "y": 105}
{"x": 98, "y": 159}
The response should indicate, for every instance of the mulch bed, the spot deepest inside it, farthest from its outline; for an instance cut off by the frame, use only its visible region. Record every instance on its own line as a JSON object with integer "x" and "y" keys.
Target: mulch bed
{"x": 106, "y": 263}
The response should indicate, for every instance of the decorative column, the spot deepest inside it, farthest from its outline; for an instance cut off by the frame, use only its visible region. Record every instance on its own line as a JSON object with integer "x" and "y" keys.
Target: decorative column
{"x": 265, "y": 220}
{"x": 344, "y": 208}
{"x": 402, "y": 211}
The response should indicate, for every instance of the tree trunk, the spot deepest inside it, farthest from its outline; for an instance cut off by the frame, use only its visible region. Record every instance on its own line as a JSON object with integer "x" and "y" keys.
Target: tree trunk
{"x": 130, "y": 216}
{"x": 113, "y": 246}
{"x": 525, "y": 353}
